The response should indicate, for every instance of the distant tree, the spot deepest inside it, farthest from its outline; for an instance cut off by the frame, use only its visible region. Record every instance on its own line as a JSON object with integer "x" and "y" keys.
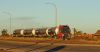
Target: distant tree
{"x": 4, "y": 32}
{"x": 79, "y": 32}
{"x": 85, "y": 33}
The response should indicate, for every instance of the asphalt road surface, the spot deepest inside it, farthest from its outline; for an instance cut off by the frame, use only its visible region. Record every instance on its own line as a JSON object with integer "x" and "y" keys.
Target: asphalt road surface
{"x": 6, "y": 46}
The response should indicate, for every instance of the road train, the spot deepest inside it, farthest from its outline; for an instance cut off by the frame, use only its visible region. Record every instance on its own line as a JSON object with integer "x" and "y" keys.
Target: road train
{"x": 61, "y": 31}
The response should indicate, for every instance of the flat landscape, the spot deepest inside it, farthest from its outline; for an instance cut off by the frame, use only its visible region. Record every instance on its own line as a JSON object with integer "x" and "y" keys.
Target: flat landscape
{"x": 49, "y": 26}
{"x": 47, "y": 45}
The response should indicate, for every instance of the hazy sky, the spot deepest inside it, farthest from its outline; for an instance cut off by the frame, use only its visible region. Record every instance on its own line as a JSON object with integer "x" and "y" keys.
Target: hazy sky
{"x": 82, "y": 14}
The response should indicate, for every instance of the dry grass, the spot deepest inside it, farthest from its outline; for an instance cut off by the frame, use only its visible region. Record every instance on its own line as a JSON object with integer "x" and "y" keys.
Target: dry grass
{"x": 75, "y": 40}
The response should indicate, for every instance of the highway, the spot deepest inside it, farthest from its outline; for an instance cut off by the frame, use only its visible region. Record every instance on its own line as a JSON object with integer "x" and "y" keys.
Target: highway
{"x": 11, "y": 46}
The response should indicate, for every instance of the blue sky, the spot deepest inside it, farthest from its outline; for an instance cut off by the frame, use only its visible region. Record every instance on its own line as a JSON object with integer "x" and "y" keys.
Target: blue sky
{"x": 82, "y": 14}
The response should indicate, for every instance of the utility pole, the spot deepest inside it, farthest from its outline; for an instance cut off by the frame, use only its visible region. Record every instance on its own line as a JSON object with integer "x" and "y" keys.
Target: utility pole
{"x": 9, "y": 19}
{"x": 56, "y": 13}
